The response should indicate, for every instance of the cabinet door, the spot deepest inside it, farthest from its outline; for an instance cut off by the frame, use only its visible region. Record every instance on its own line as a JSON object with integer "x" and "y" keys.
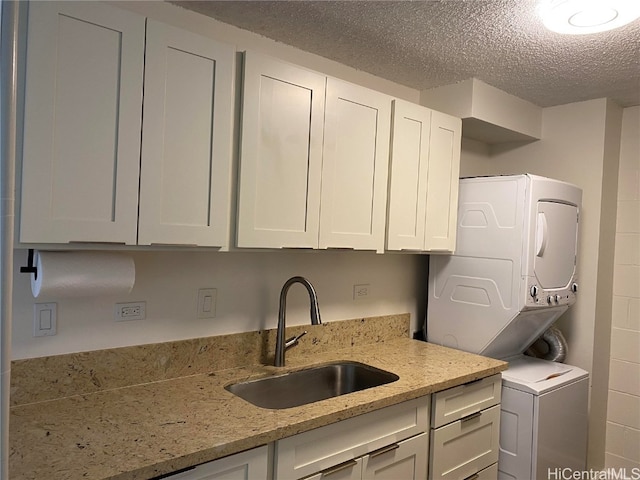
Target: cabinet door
{"x": 280, "y": 154}
{"x": 442, "y": 184}
{"x": 355, "y": 164}
{"x": 404, "y": 460}
{"x": 83, "y": 100}
{"x": 250, "y": 465}
{"x": 409, "y": 172}
{"x": 186, "y": 139}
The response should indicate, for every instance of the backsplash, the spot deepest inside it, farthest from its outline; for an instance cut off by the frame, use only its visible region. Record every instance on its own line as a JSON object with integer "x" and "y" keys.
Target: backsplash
{"x": 248, "y": 287}
{"x": 47, "y": 378}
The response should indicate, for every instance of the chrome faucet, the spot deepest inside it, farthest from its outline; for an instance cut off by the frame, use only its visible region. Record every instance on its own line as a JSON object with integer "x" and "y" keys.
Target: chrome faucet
{"x": 283, "y": 345}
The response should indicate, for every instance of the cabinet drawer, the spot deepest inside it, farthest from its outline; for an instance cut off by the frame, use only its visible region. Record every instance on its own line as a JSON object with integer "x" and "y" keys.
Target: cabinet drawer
{"x": 310, "y": 452}
{"x": 489, "y": 473}
{"x": 458, "y": 402}
{"x": 404, "y": 460}
{"x": 465, "y": 447}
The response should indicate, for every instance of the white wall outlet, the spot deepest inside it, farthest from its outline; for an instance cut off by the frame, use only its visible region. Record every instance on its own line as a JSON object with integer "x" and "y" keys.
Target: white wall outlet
{"x": 361, "y": 291}
{"x": 130, "y": 311}
{"x": 45, "y": 319}
{"x": 206, "y": 306}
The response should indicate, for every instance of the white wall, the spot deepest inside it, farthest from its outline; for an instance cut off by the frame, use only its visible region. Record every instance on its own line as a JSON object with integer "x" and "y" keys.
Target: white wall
{"x": 580, "y": 144}
{"x": 623, "y": 417}
{"x": 248, "y": 287}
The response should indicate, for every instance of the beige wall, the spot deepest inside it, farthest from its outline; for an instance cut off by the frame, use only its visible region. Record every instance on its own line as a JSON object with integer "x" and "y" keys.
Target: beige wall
{"x": 579, "y": 144}
{"x": 623, "y": 416}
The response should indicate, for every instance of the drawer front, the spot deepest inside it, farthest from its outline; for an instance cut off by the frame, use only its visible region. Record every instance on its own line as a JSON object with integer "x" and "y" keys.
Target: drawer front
{"x": 463, "y": 448}
{"x": 404, "y": 460}
{"x": 458, "y": 402}
{"x": 310, "y": 452}
{"x": 489, "y": 473}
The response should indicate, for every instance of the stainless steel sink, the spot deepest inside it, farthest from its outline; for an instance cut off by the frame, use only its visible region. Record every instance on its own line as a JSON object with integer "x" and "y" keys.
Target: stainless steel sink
{"x": 311, "y": 385}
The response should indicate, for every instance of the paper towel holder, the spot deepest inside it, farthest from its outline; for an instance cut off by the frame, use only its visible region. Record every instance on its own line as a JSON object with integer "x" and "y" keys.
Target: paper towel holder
{"x": 30, "y": 268}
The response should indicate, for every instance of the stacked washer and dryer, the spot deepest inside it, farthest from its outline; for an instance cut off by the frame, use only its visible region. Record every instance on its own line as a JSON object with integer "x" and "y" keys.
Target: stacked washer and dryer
{"x": 512, "y": 275}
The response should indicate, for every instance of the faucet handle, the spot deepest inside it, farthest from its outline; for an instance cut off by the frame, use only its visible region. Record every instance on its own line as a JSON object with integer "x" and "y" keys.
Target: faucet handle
{"x": 293, "y": 341}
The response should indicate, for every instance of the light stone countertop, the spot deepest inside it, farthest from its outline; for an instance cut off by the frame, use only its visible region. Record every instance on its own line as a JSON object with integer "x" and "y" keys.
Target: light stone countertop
{"x": 146, "y": 430}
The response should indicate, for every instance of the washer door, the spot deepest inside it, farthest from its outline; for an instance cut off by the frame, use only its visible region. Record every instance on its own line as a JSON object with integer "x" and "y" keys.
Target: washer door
{"x": 555, "y": 244}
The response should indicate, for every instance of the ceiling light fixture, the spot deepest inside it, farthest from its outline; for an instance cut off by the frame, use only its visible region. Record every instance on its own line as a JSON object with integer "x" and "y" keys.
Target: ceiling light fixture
{"x": 578, "y": 17}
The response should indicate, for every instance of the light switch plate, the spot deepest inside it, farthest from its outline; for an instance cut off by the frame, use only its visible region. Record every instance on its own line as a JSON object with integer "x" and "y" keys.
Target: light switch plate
{"x": 45, "y": 319}
{"x": 206, "y": 306}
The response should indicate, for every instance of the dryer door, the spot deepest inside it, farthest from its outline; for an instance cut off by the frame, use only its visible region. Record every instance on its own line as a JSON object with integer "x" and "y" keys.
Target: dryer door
{"x": 555, "y": 244}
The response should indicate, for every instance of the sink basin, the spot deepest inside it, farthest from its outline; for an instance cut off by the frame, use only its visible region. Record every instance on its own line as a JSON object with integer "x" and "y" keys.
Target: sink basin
{"x": 311, "y": 385}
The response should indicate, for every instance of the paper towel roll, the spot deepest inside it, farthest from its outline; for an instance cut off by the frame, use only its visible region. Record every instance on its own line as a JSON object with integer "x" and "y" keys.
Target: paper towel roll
{"x": 82, "y": 274}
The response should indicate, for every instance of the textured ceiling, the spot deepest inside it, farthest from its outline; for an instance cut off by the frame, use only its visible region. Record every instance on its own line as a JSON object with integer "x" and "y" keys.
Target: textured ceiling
{"x": 424, "y": 44}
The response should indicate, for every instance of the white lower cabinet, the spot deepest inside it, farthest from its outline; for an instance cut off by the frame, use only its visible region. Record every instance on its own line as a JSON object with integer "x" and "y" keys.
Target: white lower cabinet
{"x": 402, "y": 460}
{"x": 452, "y": 434}
{"x": 465, "y": 431}
{"x": 250, "y": 465}
{"x": 388, "y": 443}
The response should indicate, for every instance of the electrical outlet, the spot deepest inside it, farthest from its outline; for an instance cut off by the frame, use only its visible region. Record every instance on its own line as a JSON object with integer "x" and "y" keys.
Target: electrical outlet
{"x": 206, "y": 306}
{"x": 361, "y": 291}
{"x": 130, "y": 311}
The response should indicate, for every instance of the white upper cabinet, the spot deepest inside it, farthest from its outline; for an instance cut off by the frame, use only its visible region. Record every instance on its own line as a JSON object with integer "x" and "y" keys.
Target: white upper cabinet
{"x": 409, "y": 173}
{"x": 313, "y": 171}
{"x": 423, "y": 188}
{"x": 355, "y": 167}
{"x": 186, "y": 139}
{"x": 85, "y": 166}
{"x": 442, "y": 183}
{"x": 280, "y": 154}
{"x": 81, "y": 151}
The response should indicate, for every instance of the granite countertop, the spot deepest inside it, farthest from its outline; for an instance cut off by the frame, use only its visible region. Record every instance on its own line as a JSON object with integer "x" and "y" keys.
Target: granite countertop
{"x": 146, "y": 430}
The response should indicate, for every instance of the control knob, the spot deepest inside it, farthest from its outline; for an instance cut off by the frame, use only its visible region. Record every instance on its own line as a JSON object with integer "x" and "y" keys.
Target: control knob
{"x": 557, "y": 298}
{"x": 549, "y": 299}
{"x": 574, "y": 287}
{"x": 533, "y": 291}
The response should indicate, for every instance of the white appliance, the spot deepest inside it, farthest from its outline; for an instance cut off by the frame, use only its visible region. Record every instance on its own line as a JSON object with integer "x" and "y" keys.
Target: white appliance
{"x": 543, "y": 419}
{"x": 512, "y": 275}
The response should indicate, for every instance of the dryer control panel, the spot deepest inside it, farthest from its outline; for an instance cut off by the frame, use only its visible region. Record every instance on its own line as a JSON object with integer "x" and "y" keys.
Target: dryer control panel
{"x": 536, "y": 296}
